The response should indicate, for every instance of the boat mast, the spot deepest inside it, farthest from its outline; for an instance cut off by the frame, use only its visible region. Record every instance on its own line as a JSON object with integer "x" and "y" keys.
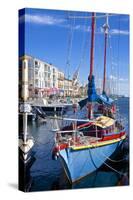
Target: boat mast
{"x": 106, "y": 28}
{"x": 92, "y": 95}
{"x": 91, "y": 86}
{"x": 92, "y": 45}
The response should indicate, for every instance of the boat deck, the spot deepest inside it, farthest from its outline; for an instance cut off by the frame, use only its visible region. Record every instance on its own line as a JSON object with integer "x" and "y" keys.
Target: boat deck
{"x": 77, "y": 141}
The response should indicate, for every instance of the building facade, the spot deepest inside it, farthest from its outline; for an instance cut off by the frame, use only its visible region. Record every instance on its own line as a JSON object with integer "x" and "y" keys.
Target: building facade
{"x": 61, "y": 78}
{"x": 68, "y": 89}
{"x": 44, "y": 79}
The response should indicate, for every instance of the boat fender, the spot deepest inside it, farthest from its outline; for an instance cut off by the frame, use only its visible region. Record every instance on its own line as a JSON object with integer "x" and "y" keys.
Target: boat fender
{"x": 55, "y": 154}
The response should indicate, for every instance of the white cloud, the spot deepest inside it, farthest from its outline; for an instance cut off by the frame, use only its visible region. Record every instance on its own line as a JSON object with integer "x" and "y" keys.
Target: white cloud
{"x": 113, "y": 77}
{"x": 123, "y": 79}
{"x": 82, "y": 28}
{"x": 62, "y": 22}
{"x": 113, "y": 31}
{"x": 114, "y": 63}
{"x": 42, "y": 19}
{"x": 117, "y": 32}
{"x": 52, "y": 20}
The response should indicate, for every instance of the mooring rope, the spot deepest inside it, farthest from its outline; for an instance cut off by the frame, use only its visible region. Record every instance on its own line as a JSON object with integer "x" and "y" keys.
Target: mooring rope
{"x": 120, "y": 173}
{"x": 116, "y": 161}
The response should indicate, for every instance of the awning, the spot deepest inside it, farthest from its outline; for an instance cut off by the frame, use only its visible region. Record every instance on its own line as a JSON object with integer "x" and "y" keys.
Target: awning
{"x": 104, "y": 121}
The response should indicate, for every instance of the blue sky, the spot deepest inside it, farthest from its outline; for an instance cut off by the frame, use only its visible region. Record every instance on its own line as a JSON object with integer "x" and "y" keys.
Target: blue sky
{"x": 55, "y": 37}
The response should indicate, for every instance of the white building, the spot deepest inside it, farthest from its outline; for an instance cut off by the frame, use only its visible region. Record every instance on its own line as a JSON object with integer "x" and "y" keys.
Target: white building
{"x": 43, "y": 77}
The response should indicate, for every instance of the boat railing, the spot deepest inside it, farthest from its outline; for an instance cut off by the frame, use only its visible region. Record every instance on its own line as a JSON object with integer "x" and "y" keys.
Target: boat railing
{"x": 68, "y": 131}
{"x": 75, "y": 140}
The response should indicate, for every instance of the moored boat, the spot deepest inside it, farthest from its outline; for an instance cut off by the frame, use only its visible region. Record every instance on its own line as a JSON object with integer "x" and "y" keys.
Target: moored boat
{"x": 84, "y": 145}
{"x": 86, "y": 148}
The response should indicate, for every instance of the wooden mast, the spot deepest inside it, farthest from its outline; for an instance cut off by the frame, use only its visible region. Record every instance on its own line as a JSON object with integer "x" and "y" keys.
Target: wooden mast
{"x": 92, "y": 45}
{"x": 90, "y": 106}
{"x": 106, "y": 28}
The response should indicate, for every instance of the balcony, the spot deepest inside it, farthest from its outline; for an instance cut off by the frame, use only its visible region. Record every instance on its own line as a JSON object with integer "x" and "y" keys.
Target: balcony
{"x": 61, "y": 78}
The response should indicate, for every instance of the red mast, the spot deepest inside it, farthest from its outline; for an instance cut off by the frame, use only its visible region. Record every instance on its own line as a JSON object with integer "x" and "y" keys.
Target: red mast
{"x": 106, "y": 28}
{"x": 92, "y": 45}
{"x": 90, "y": 106}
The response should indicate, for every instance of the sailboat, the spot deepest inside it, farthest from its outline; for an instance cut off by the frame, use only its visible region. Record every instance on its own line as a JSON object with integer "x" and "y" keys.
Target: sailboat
{"x": 85, "y": 144}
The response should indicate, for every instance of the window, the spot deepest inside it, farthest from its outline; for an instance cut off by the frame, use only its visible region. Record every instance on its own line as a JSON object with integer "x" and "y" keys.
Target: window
{"x": 45, "y": 67}
{"x": 30, "y": 63}
{"x": 53, "y": 70}
{"x": 36, "y": 64}
{"x": 45, "y": 74}
{"x": 36, "y": 82}
{"x": 48, "y": 68}
{"x": 46, "y": 84}
{"x": 54, "y": 78}
{"x": 36, "y": 72}
{"x": 48, "y": 75}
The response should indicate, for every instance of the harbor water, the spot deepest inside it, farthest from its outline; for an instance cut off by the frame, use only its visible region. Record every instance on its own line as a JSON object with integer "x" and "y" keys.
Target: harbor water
{"x": 47, "y": 174}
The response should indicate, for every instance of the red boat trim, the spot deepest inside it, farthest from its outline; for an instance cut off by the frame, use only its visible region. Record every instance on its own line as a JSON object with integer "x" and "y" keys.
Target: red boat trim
{"x": 100, "y": 142}
{"x": 84, "y": 125}
{"x": 114, "y": 136}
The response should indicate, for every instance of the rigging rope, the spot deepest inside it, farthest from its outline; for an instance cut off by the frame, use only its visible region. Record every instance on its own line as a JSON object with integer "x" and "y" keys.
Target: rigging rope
{"x": 70, "y": 41}
{"x": 118, "y": 56}
{"x": 111, "y": 61}
{"x": 84, "y": 44}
